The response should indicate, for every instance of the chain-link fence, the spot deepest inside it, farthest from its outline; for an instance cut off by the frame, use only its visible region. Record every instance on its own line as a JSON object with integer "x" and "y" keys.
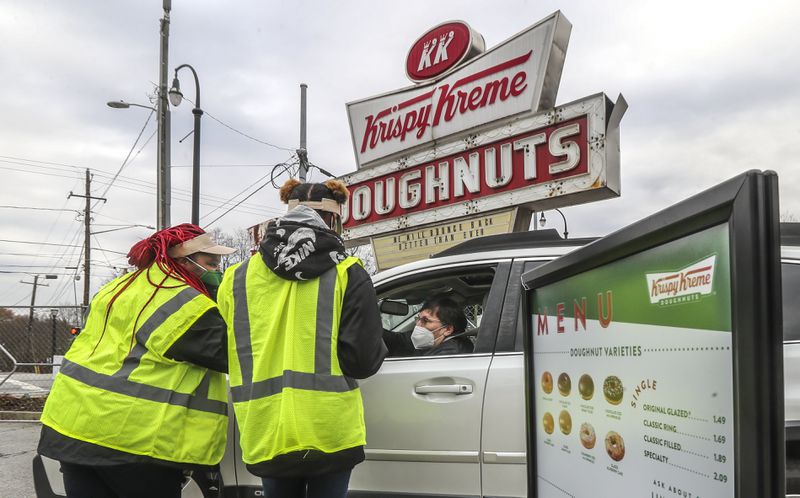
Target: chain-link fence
{"x": 32, "y": 343}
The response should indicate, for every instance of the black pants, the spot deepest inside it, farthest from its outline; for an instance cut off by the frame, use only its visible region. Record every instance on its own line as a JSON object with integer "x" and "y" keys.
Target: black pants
{"x": 122, "y": 481}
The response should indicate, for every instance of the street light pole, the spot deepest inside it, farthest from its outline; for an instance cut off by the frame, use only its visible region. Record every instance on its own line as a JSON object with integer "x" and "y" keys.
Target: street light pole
{"x": 302, "y": 152}
{"x": 542, "y": 221}
{"x": 163, "y": 179}
{"x": 175, "y": 96}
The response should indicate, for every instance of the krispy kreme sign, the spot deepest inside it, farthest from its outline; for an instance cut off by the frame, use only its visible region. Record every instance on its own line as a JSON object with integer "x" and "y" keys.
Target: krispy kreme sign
{"x": 518, "y": 76}
{"x": 534, "y": 157}
{"x": 566, "y": 155}
{"x": 693, "y": 281}
{"x": 441, "y": 49}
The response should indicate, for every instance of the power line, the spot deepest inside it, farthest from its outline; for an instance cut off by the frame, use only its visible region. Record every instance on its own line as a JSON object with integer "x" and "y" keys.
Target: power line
{"x": 245, "y": 134}
{"x": 36, "y": 172}
{"x": 125, "y": 162}
{"x": 181, "y": 194}
{"x": 232, "y": 208}
{"x": 28, "y": 255}
{"x": 36, "y": 243}
{"x": 51, "y": 244}
{"x": 38, "y": 208}
{"x": 3, "y": 265}
{"x": 264, "y": 142}
{"x": 43, "y": 162}
{"x": 223, "y": 166}
{"x": 271, "y": 174}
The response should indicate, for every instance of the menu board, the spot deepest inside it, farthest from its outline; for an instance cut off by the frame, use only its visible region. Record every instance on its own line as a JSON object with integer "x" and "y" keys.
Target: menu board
{"x": 631, "y": 385}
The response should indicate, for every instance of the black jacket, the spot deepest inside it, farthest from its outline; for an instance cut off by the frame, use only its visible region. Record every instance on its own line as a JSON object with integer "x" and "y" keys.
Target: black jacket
{"x": 300, "y": 247}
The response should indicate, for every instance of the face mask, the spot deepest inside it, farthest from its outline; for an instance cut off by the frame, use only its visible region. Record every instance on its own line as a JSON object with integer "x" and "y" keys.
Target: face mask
{"x": 422, "y": 338}
{"x": 211, "y": 278}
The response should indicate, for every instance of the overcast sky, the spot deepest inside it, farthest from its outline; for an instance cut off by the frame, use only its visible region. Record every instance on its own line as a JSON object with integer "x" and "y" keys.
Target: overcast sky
{"x": 713, "y": 89}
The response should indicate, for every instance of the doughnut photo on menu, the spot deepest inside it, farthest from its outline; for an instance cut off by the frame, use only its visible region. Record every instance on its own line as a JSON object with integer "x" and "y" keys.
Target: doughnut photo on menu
{"x": 547, "y": 382}
{"x": 565, "y": 422}
{"x": 564, "y": 384}
{"x": 548, "y": 423}
{"x": 587, "y": 435}
{"x": 586, "y": 387}
{"x": 615, "y": 446}
{"x": 612, "y": 389}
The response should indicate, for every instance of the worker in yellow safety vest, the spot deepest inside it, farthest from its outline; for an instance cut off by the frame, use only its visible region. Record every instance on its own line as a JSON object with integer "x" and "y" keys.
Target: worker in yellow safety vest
{"x": 303, "y": 324}
{"x": 141, "y": 393}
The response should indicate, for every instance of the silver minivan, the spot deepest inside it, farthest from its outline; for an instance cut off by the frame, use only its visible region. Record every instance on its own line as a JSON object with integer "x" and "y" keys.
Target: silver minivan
{"x": 455, "y": 425}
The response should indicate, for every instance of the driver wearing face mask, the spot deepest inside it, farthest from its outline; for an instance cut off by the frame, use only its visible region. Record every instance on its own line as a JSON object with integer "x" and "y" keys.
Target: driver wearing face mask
{"x": 438, "y": 330}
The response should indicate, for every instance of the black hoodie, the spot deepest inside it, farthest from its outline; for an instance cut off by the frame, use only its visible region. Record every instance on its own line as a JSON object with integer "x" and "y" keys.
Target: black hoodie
{"x": 300, "y": 247}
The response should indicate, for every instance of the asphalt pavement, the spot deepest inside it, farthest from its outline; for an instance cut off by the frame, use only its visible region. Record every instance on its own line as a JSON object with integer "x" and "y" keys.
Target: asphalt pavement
{"x": 18, "y": 442}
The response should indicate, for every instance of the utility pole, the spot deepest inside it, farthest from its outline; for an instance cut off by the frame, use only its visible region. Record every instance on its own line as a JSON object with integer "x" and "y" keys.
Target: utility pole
{"x": 35, "y": 283}
{"x": 87, "y": 247}
{"x": 163, "y": 180}
{"x": 302, "y": 152}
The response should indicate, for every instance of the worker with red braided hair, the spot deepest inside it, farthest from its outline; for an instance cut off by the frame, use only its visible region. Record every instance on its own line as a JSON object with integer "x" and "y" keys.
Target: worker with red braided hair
{"x": 141, "y": 394}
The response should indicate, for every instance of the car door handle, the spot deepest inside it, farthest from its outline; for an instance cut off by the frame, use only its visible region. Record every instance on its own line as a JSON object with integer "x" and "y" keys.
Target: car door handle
{"x": 444, "y": 389}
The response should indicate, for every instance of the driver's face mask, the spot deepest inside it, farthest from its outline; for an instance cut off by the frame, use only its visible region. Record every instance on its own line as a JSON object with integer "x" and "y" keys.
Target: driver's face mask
{"x": 423, "y": 338}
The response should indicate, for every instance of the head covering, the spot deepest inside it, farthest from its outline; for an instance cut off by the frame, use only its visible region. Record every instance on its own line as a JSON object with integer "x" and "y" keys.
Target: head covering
{"x": 327, "y": 196}
{"x": 201, "y": 243}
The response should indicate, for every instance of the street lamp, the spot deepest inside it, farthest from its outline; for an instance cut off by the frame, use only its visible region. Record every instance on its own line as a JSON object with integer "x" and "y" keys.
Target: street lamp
{"x": 175, "y": 97}
{"x": 162, "y": 182}
{"x": 121, "y": 104}
{"x": 543, "y": 220}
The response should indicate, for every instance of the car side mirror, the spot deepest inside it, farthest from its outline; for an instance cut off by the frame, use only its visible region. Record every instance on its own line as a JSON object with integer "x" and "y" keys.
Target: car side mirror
{"x": 393, "y": 308}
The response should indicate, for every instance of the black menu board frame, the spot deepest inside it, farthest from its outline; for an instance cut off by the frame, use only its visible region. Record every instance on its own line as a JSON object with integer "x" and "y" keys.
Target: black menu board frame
{"x": 748, "y": 204}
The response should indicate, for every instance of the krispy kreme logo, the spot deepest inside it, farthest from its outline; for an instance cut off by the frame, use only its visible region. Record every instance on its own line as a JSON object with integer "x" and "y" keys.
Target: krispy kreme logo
{"x": 441, "y": 49}
{"x": 444, "y": 103}
{"x": 684, "y": 285}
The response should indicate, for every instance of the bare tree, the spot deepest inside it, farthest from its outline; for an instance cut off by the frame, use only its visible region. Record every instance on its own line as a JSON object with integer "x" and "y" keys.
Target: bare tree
{"x": 239, "y": 240}
{"x": 366, "y": 255}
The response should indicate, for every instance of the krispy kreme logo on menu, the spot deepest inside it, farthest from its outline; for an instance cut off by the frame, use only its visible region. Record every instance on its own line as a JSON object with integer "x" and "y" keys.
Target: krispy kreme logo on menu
{"x": 443, "y": 103}
{"x": 462, "y": 89}
{"x": 684, "y": 285}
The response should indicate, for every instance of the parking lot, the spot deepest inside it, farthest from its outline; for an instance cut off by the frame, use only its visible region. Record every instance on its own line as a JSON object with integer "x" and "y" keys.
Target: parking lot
{"x": 18, "y": 448}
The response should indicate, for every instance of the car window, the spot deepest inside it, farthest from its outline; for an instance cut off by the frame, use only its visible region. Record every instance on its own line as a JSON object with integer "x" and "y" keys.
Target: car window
{"x": 469, "y": 287}
{"x": 790, "y": 275}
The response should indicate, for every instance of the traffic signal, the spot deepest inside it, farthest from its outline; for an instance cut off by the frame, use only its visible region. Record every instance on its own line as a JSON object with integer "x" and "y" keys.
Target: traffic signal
{"x": 75, "y": 330}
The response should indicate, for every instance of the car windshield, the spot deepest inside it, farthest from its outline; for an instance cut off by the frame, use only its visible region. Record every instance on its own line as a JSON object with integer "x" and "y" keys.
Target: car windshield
{"x": 790, "y": 275}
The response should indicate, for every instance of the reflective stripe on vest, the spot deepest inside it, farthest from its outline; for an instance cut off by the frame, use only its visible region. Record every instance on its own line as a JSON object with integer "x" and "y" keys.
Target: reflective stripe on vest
{"x": 320, "y": 380}
{"x": 155, "y": 320}
{"x": 122, "y": 385}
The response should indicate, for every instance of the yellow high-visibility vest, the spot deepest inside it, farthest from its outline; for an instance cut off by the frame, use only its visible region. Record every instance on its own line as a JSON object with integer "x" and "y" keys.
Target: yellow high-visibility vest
{"x": 120, "y": 392}
{"x": 288, "y": 390}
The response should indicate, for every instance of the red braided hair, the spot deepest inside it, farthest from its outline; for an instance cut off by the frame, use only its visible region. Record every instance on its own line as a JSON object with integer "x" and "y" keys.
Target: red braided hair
{"x": 154, "y": 250}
